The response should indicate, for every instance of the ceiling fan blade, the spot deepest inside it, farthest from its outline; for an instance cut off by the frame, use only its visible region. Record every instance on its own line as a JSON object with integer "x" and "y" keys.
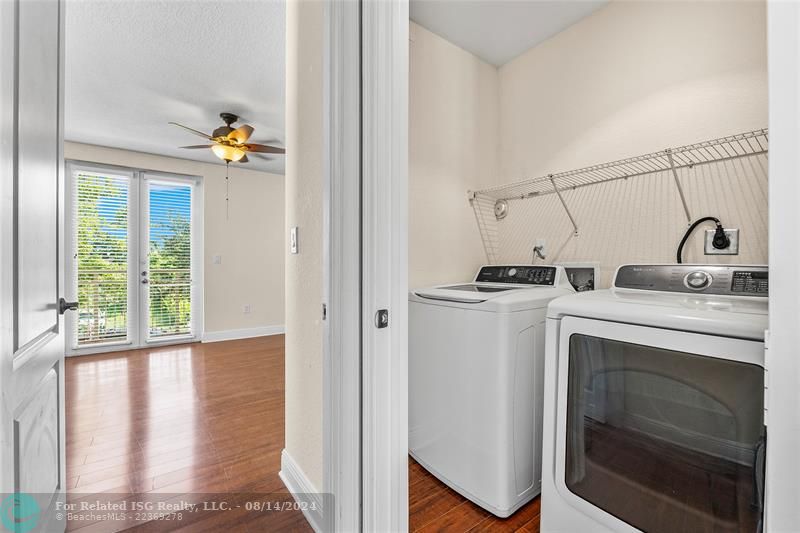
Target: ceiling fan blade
{"x": 261, "y": 156}
{"x": 187, "y": 128}
{"x": 195, "y": 146}
{"x": 263, "y": 148}
{"x": 244, "y": 159}
{"x": 241, "y": 134}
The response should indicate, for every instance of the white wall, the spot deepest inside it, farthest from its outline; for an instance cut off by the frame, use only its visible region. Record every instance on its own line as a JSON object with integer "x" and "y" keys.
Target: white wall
{"x": 250, "y": 241}
{"x": 453, "y": 146}
{"x": 633, "y": 78}
{"x": 304, "y": 189}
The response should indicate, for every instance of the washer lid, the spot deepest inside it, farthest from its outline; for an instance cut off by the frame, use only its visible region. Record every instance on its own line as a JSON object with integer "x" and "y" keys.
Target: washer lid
{"x": 468, "y": 292}
{"x": 729, "y": 316}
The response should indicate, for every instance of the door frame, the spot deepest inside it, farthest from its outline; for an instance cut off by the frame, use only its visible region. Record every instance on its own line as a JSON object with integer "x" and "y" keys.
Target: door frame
{"x": 782, "y": 395}
{"x": 341, "y": 237}
{"x": 136, "y": 228}
{"x": 365, "y": 228}
{"x": 385, "y": 49}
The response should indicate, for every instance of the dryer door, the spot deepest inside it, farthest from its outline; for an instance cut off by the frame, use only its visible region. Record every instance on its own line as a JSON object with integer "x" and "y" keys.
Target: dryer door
{"x": 660, "y": 430}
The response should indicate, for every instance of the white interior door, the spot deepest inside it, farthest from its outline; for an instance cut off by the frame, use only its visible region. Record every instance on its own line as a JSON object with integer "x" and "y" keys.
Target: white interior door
{"x": 31, "y": 339}
{"x": 134, "y": 251}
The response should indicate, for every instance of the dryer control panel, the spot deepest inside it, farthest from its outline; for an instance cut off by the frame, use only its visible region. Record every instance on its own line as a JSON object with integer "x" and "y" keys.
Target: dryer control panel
{"x": 724, "y": 280}
{"x": 519, "y": 274}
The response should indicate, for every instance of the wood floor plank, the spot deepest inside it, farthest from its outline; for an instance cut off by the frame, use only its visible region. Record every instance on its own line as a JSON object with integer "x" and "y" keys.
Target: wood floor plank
{"x": 435, "y": 507}
{"x": 187, "y": 421}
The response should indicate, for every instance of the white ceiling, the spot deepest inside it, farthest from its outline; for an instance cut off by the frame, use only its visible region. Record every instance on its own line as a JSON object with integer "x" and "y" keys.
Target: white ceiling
{"x": 497, "y": 31}
{"x": 134, "y": 65}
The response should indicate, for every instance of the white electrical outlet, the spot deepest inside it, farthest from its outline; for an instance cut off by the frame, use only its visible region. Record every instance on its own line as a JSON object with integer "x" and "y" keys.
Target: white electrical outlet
{"x": 247, "y": 309}
{"x": 733, "y": 249}
{"x": 217, "y": 259}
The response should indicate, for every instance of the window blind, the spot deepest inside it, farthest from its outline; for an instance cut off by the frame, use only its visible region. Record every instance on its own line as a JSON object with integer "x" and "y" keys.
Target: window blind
{"x": 169, "y": 259}
{"x": 101, "y": 259}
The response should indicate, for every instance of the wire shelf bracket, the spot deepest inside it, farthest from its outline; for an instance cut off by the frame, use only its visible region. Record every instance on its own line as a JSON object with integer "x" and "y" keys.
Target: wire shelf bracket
{"x": 674, "y": 170}
{"x": 564, "y": 205}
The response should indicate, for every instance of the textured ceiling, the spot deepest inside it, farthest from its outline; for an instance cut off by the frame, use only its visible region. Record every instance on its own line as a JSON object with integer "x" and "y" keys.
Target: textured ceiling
{"x": 134, "y": 65}
{"x": 497, "y": 31}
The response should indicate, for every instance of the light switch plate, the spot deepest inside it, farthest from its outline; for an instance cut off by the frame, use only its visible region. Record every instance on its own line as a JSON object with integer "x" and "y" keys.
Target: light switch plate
{"x": 293, "y": 240}
{"x": 733, "y": 249}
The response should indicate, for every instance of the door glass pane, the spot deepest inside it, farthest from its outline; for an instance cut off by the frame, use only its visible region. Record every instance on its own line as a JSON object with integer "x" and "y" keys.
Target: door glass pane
{"x": 664, "y": 440}
{"x": 169, "y": 259}
{"x": 101, "y": 244}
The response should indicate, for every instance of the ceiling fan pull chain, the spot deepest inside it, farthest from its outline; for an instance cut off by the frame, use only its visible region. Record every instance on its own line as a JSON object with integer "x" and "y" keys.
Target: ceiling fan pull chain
{"x": 227, "y": 189}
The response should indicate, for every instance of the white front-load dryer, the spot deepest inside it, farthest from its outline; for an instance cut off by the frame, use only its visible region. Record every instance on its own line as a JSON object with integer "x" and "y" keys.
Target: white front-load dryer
{"x": 654, "y": 403}
{"x": 476, "y": 363}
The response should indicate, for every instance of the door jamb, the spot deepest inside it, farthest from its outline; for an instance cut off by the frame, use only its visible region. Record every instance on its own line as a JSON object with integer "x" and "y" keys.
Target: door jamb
{"x": 782, "y": 398}
{"x": 384, "y": 412}
{"x": 342, "y": 267}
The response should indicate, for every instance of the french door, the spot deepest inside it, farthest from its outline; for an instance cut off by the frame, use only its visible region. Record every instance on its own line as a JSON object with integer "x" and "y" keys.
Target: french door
{"x": 133, "y": 248}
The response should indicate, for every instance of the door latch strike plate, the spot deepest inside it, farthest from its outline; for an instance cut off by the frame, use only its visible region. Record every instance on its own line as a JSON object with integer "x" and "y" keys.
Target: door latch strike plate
{"x": 382, "y": 318}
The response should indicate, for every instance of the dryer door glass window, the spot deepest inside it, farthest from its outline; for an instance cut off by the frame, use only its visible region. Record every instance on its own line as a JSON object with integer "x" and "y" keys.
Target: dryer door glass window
{"x": 663, "y": 440}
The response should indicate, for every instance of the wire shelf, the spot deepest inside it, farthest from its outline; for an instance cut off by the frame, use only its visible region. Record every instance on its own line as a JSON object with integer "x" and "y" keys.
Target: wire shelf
{"x": 506, "y": 214}
{"x": 732, "y": 147}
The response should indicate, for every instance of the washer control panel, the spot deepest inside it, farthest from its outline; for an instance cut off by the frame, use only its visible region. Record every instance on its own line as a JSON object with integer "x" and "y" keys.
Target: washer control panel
{"x": 750, "y": 282}
{"x": 731, "y": 280}
{"x": 519, "y": 274}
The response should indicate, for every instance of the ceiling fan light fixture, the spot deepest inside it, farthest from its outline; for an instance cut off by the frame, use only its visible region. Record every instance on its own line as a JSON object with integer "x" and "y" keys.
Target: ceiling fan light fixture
{"x": 228, "y": 153}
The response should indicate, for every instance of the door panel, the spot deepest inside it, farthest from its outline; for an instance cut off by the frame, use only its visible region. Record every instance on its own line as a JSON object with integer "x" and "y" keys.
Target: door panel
{"x": 167, "y": 245}
{"x": 101, "y": 216}
{"x": 31, "y": 239}
{"x": 37, "y": 165}
{"x": 36, "y": 430}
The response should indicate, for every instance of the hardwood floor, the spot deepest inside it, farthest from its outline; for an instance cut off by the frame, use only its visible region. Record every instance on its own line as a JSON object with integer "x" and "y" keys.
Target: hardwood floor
{"x": 433, "y": 506}
{"x": 192, "y": 422}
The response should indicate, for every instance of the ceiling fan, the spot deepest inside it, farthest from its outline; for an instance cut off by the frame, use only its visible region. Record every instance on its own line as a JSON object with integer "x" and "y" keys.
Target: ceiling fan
{"x": 229, "y": 143}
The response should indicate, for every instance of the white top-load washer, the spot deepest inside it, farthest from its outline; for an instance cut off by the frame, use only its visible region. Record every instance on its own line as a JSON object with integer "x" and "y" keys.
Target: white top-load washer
{"x": 654, "y": 402}
{"x": 476, "y": 362}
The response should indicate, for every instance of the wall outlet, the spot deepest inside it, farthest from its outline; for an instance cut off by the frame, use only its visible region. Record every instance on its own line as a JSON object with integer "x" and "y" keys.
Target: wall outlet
{"x": 247, "y": 309}
{"x": 217, "y": 259}
{"x": 733, "y": 249}
{"x": 293, "y": 240}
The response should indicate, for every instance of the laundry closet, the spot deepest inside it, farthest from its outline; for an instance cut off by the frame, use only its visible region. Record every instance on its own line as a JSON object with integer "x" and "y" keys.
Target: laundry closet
{"x": 550, "y": 144}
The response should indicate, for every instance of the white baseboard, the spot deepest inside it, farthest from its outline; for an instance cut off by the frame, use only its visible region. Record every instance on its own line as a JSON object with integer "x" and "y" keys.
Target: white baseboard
{"x": 233, "y": 334}
{"x": 303, "y": 492}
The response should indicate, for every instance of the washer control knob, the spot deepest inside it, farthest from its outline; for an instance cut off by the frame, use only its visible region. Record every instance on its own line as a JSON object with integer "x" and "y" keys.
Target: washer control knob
{"x": 512, "y": 272}
{"x": 697, "y": 280}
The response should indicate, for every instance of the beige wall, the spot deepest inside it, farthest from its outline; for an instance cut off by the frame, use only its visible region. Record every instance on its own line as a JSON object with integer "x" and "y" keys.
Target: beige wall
{"x": 250, "y": 241}
{"x": 304, "y": 189}
{"x": 632, "y": 78}
{"x": 453, "y": 146}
